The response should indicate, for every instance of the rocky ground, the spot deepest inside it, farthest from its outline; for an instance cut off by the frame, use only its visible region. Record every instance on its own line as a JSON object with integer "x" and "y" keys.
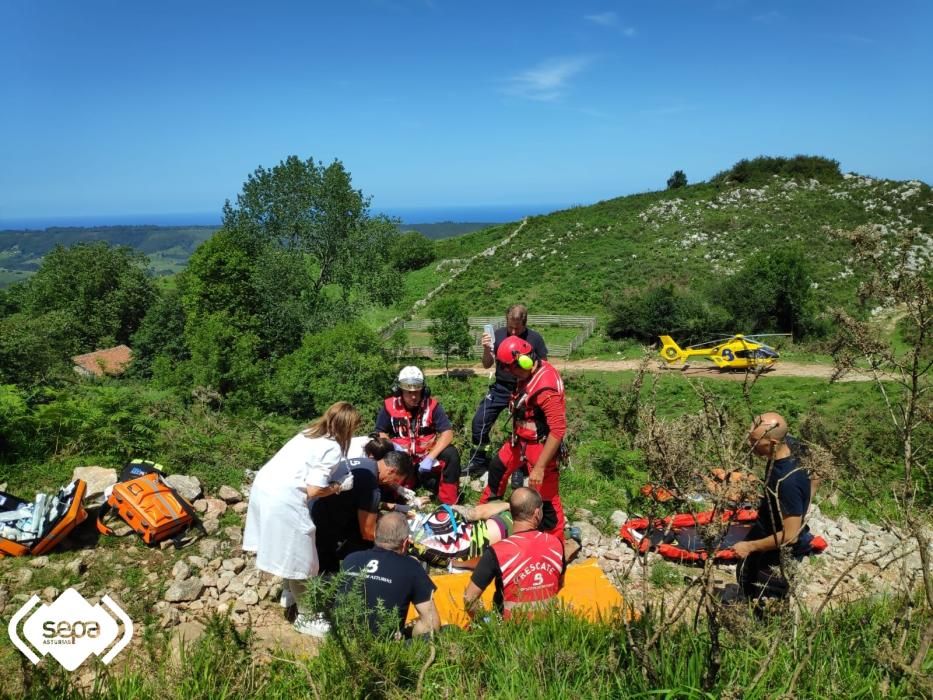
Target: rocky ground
{"x": 171, "y": 592}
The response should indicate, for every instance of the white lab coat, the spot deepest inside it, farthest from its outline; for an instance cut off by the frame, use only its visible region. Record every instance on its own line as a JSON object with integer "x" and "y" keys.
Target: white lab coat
{"x": 278, "y": 521}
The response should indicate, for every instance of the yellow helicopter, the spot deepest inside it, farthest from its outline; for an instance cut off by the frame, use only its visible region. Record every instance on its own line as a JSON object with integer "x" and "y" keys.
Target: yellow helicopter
{"x": 741, "y": 352}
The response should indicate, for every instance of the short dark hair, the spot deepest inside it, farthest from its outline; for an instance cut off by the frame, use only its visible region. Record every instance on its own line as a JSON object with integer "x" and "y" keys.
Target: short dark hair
{"x": 378, "y": 447}
{"x": 401, "y": 463}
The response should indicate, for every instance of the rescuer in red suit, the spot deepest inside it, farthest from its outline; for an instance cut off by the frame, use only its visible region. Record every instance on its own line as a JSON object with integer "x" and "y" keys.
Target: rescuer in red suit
{"x": 539, "y": 422}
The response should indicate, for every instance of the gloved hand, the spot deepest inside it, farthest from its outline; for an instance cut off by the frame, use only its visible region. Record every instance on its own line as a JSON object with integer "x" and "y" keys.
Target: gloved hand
{"x": 427, "y": 464}
{"x": 347, "y": 483}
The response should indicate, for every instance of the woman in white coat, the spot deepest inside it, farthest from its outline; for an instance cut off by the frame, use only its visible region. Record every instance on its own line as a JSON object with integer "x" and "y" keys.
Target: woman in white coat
{"x": 279, "y": 528}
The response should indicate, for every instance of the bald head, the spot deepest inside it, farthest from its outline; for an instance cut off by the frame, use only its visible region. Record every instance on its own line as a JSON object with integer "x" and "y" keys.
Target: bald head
{"x": 523, "y": 504}
{"x": 391, "y": 531}
{"x": 767, "y": 433}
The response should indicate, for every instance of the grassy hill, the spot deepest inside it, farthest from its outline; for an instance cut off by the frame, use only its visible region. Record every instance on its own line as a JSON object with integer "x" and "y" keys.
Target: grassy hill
{"x": 168, "y": 247}
{"x": 580, "y": 260}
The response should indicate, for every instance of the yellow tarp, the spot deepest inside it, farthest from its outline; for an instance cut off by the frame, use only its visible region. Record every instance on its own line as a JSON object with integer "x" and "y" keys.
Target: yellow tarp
{"x": 587, "y": 592}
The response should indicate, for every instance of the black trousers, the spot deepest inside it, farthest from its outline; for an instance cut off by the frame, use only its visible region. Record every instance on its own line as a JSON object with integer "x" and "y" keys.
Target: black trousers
{"x": 494, "y": 402}
{"x": 759, "y": 576}
{"x": 446, "y": 485}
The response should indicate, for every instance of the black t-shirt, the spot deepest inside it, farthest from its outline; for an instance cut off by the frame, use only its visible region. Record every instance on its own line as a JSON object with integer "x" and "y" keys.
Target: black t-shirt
{"x": 338, "y": 513}
{"x": 487, "y": 570}
{"x": 503, "y": 376}
{"x": 791, "y": 484}
{"x": 395, "y": 579}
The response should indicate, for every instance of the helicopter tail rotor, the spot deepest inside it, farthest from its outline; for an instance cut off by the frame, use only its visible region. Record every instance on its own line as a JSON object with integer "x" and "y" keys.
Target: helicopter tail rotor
{"x": 670, "y": 350}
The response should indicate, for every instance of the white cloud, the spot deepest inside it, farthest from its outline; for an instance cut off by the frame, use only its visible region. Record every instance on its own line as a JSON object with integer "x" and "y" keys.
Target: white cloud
{"x": 606, "y": 19}
{"x": 610, "y": 19}
{"x": 548, "y": 81}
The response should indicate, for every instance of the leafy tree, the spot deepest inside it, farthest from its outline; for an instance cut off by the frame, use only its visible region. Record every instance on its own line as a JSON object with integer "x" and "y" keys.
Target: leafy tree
{"x": 665, "y": 310}
{"x": 412, "y": 251}
{"x": 450, "y": 330}
{"x": 347, "y": 362}
{"x": 297, "y": 252}
{"x": 677, "y": 180}
{"x": 105, "y": 291}
{"x": 162, "y": 332}
{"x": 398, "y": 343}
{"x": 313, "y": 210}
{"x": 33, "y": 349}
{"x": 223, "y": 358}
{"x": 773, "y": 292}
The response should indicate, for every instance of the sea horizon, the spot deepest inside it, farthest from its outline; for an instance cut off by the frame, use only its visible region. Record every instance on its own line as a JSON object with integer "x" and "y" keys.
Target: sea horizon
{"x": 492, "y": 214}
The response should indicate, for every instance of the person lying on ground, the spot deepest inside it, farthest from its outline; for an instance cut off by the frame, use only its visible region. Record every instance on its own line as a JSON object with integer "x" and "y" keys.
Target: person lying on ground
{"x": 391, "y": 580}
{"x": 456, "y": 536}
{"x": 528, "y": 566}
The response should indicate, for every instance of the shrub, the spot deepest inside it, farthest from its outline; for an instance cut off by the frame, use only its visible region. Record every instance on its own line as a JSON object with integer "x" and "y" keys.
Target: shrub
{"x": 773, "y": 292}
{"x": 450, "y": 332}
{"x": 760, "y": 170}
{"x": 104, "y": 290}
{"x": 411, "y": 251}
{"x": 665, "y": 310}
{"x": 346, "y": 363}
{"x": 677, "y": 180}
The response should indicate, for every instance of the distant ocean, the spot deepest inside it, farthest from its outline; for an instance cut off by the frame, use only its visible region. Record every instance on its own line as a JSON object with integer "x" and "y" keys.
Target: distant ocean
{"x": 408, "y": 215}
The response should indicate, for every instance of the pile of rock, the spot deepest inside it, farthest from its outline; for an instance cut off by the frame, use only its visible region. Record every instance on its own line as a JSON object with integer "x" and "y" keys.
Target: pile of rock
{"x": 206, "y": 583}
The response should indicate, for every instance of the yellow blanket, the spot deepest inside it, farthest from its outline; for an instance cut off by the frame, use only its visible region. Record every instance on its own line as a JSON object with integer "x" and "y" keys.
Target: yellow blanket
{"x": 587, "y": 592}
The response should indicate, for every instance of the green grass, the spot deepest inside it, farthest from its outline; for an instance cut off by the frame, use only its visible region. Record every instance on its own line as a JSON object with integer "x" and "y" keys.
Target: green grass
{"x": 554, "y": 656}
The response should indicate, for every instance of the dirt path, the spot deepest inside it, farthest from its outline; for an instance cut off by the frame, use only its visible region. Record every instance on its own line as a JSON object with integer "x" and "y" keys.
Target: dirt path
{"x": 697, "y": 369}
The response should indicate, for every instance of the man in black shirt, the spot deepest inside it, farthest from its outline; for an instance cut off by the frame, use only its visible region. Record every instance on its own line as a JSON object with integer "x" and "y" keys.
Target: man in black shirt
{"x": 346, "y": 522}
{"x": 392, "y": 579}
{"x": 500, "y": 391}
{"x": 785, "y": 502}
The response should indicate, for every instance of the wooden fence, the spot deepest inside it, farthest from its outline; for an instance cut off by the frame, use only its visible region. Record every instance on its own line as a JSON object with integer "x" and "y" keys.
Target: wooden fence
{"x": 586, "y": 324}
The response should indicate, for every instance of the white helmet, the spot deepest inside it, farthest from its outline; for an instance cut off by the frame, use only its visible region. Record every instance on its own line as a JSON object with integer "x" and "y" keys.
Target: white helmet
{"x": 411, "y": 378}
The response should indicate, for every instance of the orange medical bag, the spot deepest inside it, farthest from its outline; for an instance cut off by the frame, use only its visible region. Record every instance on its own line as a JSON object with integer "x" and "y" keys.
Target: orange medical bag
{"x": 59, "y": 514}
{"x": 147, "y": 503}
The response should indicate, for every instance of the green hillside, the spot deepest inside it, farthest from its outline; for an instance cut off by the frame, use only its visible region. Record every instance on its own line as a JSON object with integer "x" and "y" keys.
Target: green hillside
{"x": 581, "y": 260}
{"x": 168, "y": 247}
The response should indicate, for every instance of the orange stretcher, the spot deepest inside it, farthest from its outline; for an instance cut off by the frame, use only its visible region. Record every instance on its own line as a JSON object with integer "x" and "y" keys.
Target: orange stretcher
{"x": 586, "y": 592}
{"x": 69, "y": 514}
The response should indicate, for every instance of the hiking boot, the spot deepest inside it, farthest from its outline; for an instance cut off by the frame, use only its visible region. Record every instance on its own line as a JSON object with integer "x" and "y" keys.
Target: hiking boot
{"x": 478, "y": 465}
{"x": 518, "y": 479}
{"x": 313, "y": 625}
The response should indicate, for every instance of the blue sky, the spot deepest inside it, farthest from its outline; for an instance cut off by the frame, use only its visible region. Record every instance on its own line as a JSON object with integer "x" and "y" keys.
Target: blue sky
{"x": 118, "y": 107}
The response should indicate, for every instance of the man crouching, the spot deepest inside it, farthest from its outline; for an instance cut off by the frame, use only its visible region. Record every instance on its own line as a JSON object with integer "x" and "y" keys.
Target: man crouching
{"x": 528, "y": 567}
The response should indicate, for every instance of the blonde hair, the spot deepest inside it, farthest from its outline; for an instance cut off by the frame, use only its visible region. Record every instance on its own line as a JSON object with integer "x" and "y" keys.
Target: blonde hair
{"x": 339, "y": 422}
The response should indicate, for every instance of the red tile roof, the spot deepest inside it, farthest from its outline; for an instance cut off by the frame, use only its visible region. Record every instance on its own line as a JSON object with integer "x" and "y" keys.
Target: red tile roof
{"x": 112, "y": 361}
